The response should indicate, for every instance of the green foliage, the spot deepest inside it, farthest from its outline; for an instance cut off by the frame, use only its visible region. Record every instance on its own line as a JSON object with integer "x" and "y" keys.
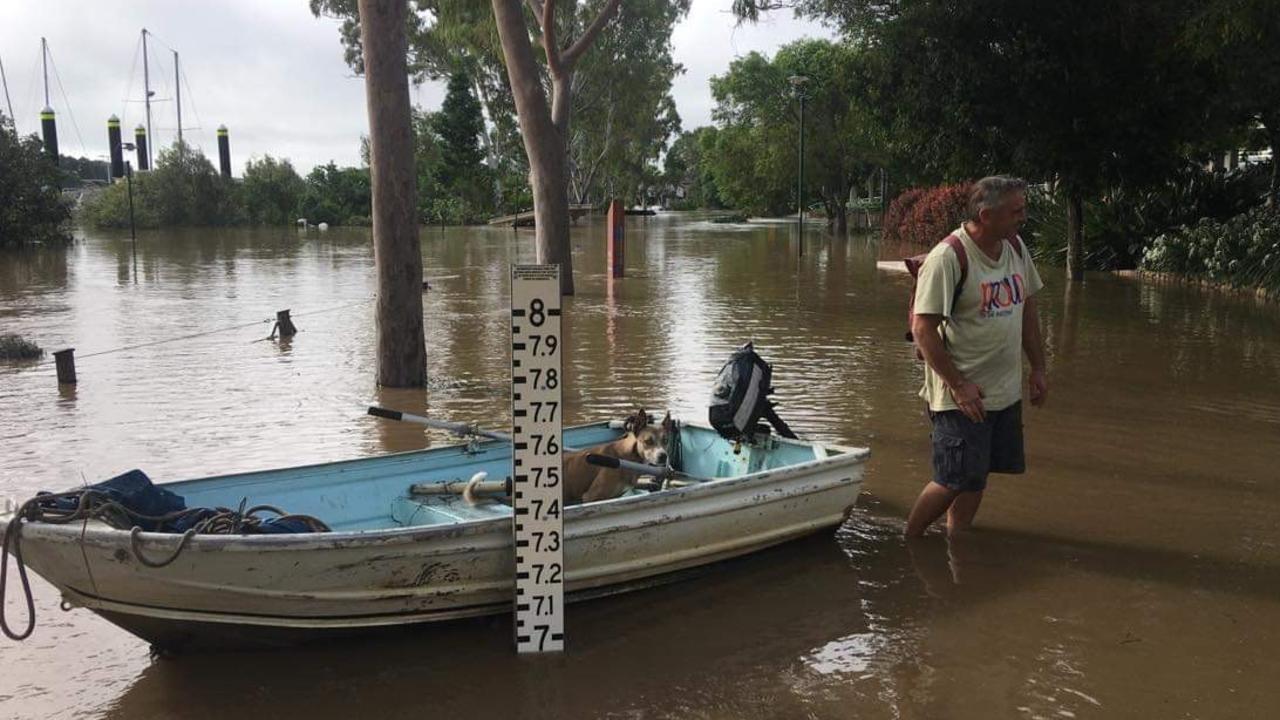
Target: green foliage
{"x": 454, "y": 185}
{"x": 1243, "y": 251}
{"x": 334, "y": 194}
{"x": 79, "y": 170}
{"x": 272, "y": 191}
{"x": 623, "y": 114}
{"x": 15, "y": 347}
{"x": 183, "y": 189}
{"x": 755, "y": 157}
{"x": 31, "y": 205}
{"x": 688, "y": 166}
{"x": 1120, "y": 225}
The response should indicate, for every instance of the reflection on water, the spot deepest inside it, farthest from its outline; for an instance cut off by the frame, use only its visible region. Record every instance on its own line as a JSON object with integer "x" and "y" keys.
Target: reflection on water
{"x": 1133, "y": 572}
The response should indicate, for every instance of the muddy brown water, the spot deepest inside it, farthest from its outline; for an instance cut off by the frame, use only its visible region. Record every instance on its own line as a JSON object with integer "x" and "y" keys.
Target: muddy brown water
{"x": 1133, "y": 572}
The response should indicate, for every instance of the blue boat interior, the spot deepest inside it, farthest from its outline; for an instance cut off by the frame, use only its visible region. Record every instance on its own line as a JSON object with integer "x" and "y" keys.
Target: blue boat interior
{"x": 374, "y": 493}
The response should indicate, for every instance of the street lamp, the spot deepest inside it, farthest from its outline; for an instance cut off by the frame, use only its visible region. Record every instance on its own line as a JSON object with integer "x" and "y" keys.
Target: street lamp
{"x": 128, "y": 174}
{"x": 797, "y": 85}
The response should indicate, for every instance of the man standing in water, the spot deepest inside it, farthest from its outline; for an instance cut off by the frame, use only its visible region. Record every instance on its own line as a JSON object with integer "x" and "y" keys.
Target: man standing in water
{"x": 974, "y": 316}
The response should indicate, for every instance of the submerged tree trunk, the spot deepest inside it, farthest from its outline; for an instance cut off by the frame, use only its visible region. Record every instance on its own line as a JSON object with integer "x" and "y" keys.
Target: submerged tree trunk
{"x": 397, "y": 254}
{"x": 1075, "y": 236}
{"x": 544, "y": 126}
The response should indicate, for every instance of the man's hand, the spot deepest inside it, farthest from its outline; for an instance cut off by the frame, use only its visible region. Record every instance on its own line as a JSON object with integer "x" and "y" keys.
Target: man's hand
{"x": 1039, "y": 388}
{"x": 968, "y": 397}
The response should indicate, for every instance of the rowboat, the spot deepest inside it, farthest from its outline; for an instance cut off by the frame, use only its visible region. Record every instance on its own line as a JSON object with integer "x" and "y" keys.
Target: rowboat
{"x": 398, "y": 553}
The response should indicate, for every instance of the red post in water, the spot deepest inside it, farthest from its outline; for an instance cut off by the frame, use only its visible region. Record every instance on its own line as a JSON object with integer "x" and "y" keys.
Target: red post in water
{"x": 616, "y": 241}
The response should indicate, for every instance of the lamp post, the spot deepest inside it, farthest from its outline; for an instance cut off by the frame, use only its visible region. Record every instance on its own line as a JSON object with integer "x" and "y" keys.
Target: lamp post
{"x": 133, "y": 233}
{"x": 797, "y": 84}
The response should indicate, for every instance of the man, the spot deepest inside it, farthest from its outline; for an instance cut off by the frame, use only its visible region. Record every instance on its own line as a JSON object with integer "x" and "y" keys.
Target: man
{"x": 972, "y": 342}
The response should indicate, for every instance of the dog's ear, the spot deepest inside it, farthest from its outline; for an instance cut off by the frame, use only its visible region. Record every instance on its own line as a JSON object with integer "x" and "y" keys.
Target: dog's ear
{"x": 636, "y": 422}
{"x": 667, "y": 422}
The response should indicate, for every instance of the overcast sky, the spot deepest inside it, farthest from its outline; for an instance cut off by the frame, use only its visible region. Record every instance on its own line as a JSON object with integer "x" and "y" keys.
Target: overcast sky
{"x": 267, "y": 69}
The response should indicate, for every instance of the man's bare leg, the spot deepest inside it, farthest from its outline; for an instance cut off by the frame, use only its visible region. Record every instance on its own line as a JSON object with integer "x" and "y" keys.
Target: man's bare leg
{"x": 963, "y": 509}
{"x": 933, "y": 502}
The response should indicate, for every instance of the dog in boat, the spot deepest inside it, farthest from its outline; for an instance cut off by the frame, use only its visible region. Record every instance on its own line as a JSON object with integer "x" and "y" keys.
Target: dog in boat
{"x": 643, "y": 442}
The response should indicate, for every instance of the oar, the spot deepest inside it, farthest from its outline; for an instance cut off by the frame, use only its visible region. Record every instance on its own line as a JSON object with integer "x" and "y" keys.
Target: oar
{"x": 462, "y": 429}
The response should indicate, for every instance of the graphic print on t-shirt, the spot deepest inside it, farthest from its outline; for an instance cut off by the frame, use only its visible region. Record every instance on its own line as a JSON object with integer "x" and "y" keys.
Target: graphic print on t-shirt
{"x": 999, "y": 297}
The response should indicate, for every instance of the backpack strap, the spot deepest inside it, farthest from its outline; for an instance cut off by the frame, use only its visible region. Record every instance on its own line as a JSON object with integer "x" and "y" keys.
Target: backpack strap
{"x": 1016, "y": 242}
{"x": 962, "y": 256}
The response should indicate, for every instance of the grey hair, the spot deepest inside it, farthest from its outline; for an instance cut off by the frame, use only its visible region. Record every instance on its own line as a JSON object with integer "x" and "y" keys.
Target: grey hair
{"x": 989, "y": 192}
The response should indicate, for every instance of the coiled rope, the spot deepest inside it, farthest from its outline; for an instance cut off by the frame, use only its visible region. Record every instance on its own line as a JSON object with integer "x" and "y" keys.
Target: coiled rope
{"x": 96, "y": 505}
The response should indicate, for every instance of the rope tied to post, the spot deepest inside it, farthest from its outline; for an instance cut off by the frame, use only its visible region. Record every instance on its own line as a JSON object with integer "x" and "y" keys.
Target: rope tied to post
{"x": 89, "y": 504}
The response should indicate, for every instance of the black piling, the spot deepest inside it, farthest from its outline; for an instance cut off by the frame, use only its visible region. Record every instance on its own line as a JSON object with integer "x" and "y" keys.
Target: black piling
{"x": 49, "y": 127}
{"x": 284, "y": 325}
{"x": 117, "y": 152}
{"x": 140, "y": 141}
{"x": 224, "y": 151}
{"x": 66, "y": 361}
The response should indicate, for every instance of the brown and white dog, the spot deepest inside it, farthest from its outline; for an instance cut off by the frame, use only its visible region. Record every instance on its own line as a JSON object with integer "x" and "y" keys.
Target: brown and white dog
{"x": 643, "y": 443}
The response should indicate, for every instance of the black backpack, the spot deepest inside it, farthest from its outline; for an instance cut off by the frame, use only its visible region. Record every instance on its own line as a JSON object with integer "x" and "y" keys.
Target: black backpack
{"x": 740, "y": 397}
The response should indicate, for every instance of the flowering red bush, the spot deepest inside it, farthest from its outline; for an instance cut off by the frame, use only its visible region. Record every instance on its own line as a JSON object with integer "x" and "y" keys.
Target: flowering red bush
{"x": 927, "y": 214}
{"x": 897, "y": 213}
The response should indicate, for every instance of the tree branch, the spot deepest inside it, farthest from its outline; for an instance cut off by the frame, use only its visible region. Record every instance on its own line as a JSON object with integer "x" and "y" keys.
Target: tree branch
{"x": 536, "y": 7}
{"x": 554, "y": 64}
{"x": 576, "y": 50}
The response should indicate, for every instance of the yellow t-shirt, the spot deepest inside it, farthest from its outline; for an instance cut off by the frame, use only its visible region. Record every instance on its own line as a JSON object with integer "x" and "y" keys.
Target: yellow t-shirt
{"x": 983, "y": 332}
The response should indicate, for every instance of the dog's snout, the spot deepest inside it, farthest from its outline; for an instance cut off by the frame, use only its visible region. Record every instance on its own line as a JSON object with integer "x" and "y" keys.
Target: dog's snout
{"x": 662, "y": 458}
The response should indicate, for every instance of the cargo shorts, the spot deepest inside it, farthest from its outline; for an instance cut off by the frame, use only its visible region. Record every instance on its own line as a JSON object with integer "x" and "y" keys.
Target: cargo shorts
{"x": 964, "y": 451}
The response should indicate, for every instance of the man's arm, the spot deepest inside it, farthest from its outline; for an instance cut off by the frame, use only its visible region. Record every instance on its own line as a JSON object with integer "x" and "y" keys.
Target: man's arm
{"x": 968, "y": 396}
{"x": 1033, "y": 346}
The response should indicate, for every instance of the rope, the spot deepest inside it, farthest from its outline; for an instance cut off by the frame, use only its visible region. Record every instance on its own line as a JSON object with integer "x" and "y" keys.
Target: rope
{"x": 212, "y": 332}
{"x": 97, "y": 505}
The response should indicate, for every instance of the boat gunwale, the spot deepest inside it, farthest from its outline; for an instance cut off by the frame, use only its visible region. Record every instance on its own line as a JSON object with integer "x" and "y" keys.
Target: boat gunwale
{"x": 100, "y": 535}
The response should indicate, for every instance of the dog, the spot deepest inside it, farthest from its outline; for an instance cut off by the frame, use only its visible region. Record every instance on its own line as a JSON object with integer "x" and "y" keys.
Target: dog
{"x": 642, "y": 443}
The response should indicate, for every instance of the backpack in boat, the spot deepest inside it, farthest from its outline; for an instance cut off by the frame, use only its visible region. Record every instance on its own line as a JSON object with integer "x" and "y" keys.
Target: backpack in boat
{"x": 740, "y": 397}
{"x": 914, "y": 264}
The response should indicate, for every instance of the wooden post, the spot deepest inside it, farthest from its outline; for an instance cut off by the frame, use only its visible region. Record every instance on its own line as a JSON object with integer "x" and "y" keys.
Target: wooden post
{"x": 284, "y": 325}
{"x": 616, "y": 244}
{"x": 66, "y": 360}
{"x": 397, "y": 252}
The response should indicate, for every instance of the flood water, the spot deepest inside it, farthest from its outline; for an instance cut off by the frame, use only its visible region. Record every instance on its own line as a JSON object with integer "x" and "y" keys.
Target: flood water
{"x": 1134, "y": 571}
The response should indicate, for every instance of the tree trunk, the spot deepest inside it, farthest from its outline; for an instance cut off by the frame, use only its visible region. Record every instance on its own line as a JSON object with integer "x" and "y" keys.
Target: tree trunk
{"x": 543, "y": 142}
{"x": 1271, "y": 122}
{"x": 397, "y": 253}
{"x": 1075, "y": 236}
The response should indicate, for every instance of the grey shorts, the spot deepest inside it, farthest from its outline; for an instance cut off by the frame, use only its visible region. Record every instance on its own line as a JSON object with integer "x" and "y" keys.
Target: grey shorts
{"x": 965, "y": 451}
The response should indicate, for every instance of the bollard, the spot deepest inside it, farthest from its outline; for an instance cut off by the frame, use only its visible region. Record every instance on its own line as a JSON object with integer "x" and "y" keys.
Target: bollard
{"x": 284, "y": 325}
{"x": 66, "y": 360}
{"x": 616, "y": 238}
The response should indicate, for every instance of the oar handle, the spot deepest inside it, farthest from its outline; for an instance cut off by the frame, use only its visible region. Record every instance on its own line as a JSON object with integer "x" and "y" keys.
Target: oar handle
{"x": 455, "y": 428}
{"x": 608, "y": 461}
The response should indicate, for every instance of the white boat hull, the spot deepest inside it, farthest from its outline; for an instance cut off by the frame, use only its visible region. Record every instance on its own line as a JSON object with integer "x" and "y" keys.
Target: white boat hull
{"x": 348, "y": 580}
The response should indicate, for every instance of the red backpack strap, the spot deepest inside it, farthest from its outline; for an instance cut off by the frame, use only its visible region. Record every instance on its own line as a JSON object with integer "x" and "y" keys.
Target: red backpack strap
{"x": 1016, "y": 242}
{"x": 962, "y": 256}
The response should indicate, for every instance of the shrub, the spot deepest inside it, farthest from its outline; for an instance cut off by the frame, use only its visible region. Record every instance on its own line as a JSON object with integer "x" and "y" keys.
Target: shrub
{"x": 1243, "y": 251}
{"x": 929, "y": 216}
{"x": 897, "y": 213}
{"x": 14, "y": 347}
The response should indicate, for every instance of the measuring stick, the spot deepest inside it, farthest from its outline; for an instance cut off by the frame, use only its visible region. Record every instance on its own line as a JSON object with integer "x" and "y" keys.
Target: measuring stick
{"x": 536, "y": 439}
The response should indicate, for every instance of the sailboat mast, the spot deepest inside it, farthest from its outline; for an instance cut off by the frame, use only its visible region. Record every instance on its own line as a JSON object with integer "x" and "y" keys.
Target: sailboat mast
{"x": 146, "y": 82}
{"x": 177, "y": 84}
{"x": 5, "y": 81}
{"x": 44, "y": 62}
